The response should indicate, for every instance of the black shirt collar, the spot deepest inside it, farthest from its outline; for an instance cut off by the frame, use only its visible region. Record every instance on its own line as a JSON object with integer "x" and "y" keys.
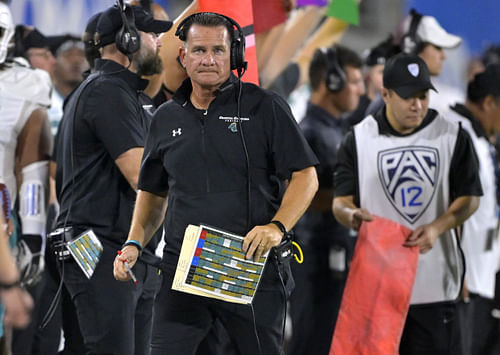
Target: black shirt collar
{"x": 322, "y": 115}
{"x": 107, "y": 66}
{"x": 385, "y": 128}
{"x": 184, "y": 92}
{"x": 476, "y": 125}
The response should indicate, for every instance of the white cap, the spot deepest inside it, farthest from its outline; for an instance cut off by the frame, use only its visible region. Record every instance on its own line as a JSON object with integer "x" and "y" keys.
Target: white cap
{"x": 429, "y": 30}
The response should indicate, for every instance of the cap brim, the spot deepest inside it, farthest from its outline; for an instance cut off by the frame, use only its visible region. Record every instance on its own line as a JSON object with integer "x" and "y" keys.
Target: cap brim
{"x": 155, "y": 26}
{"x": 408, "y": 91}
{"x": 431, "y": 31}
{"x": 445, "y": 40}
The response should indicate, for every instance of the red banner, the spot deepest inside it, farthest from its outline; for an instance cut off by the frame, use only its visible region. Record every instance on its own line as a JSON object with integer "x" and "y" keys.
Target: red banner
{"x": 377, "y": 293}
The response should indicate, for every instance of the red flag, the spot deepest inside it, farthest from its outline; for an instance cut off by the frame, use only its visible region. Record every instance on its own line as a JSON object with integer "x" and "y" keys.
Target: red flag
{"x": 377, "y": 293}
{"x": 242, "y": 12}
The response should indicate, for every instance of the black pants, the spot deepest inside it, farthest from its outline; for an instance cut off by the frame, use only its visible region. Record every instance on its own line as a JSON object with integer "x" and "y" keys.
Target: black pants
{"x": 115, "y": 317}
{"x": 47, "y": 340}
{"x": 431, "y": 330}
{"x": 315, "y": 302}
{"x": 182, "y": 320}
{"x": 482, "y": 330}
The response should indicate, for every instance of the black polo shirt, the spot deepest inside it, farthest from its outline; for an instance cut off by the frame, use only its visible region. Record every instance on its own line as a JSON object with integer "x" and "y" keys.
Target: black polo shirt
{"x": 198, "y": 157}
{"x": 324, "y": 133}
{"x": 464, "y": 179}
{"x": 107, "y": 115}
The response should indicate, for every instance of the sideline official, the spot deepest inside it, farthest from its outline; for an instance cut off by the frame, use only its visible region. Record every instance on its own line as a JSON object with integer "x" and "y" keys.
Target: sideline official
{"x": 409, "y": 164}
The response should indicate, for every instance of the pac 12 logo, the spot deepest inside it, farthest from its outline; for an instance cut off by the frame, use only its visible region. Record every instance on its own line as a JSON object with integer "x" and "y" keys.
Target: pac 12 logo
{"x": 409, "y": 178}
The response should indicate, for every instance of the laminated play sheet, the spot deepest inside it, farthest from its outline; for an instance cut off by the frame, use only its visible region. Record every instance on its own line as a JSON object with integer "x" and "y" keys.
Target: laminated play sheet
{"x": 86, "y": 249}
{"x": 212, "y": 264}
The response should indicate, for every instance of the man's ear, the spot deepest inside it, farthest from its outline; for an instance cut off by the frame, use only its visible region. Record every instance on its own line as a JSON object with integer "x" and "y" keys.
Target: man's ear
{"x": 385, "y": 94}
{"x": 488, "y": 103}
{"x": 182, "y": 56}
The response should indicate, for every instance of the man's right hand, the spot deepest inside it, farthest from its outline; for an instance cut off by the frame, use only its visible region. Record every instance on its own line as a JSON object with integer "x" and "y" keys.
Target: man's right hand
{"x": 358, "y": 216}
{"x": 129, "y": 254}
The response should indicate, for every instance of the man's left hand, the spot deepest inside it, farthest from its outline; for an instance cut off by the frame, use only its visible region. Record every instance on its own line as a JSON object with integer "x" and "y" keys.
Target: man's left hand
{"x": 423, "y": 237}
{"x": 260, "y": 240}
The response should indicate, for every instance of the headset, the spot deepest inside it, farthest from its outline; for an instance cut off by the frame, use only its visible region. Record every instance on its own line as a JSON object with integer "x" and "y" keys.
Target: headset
{"x": 128, "y": 39}
{"x": 237, "y": 42}
{"x": 335, "y": 75}
{"x": 411, "y": 43}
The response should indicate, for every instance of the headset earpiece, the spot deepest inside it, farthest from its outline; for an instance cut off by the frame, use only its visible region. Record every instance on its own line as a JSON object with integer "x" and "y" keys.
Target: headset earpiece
{"x": 335, "y": 75}
{"x": 237, "y": 42}
{"x": 128, "y": 39}
{"x": 410, "y": 43}
{"x": 180, "y": 31}
{"x": 237, "y": 47}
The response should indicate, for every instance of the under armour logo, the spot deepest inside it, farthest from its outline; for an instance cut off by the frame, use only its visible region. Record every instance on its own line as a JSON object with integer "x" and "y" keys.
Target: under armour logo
{"x": 177, "y": 132}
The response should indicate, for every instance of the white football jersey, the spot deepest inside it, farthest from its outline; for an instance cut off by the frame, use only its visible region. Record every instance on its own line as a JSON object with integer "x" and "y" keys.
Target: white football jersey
{"x": 22, "y": 90}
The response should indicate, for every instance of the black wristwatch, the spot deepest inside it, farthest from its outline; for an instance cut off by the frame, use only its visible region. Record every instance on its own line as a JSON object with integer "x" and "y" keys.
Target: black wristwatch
{"x": 281, "y": 227}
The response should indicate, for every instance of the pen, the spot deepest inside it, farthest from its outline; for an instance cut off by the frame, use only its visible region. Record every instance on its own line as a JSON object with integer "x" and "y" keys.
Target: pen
{"x": 129, "y": 270}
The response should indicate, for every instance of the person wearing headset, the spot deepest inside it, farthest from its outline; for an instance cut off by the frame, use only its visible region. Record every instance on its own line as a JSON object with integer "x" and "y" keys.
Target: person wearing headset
{"x": 422, "y": 35}
{"x": 409, "y": 164}
{"x": 100, "y": 145}
{"x": 231, "y": 155}
{"x": 337, "y": 84}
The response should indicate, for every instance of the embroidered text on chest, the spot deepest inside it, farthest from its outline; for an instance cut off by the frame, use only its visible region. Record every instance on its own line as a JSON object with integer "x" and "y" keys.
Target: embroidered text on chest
{"x": 233, "y": 122}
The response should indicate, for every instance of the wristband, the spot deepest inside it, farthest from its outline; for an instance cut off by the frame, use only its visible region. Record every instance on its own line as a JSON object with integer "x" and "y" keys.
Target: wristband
{"x": 280, "y": 226}
{"x": 134, "y": 243}
{"x": 5, "y": 286}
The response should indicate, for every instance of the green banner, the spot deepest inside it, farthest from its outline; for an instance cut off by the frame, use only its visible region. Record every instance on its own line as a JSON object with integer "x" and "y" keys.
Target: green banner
{"x": 345, "y": 10}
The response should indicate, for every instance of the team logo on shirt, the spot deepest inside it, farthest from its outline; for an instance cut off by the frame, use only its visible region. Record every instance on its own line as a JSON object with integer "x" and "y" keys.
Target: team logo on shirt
{"x": 409, "y": 177}
{"x": 233, "y": 122}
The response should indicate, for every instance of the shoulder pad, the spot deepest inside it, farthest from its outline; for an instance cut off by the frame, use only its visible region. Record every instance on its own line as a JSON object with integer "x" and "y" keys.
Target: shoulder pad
{"x": 28, "y": 83}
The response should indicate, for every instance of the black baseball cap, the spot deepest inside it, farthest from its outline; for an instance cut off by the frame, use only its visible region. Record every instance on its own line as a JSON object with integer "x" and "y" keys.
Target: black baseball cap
{"x": 90, "y": 29}
{"x": 110, "y": 22}
{"x": 407, "y": 75}
{"x": 28, "y": 37}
